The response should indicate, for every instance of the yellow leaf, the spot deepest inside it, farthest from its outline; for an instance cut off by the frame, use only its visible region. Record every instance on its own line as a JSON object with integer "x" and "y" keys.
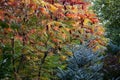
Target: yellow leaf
{"x": 52, "y": 8}
{"x": 57, "y": 23}
{"x": 63, "y": 58}
{"x": 40, "y": 2}
{"x": 96, "y": 48}
{"x": 69, "y": 53}
{"x": 74, "y": 9}
{"x": 86, "y": 21}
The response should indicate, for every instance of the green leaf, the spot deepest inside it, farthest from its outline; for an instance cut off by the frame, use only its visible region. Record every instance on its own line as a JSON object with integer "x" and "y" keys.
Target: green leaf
{"x": 4, "y": 24}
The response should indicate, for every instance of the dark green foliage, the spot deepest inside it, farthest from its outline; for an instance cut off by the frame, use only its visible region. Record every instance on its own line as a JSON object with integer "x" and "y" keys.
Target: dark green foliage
{"x": 114, "y": 49}
{"x": 108, "y": 11}
{"x": 3, "y": 24}
{"x": 83, "y": 65}
{"x": 5, "y": 62}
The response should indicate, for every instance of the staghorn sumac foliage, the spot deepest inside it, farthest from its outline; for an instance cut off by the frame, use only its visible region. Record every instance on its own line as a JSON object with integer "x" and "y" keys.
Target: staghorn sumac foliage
{"x": 35, "y": 29}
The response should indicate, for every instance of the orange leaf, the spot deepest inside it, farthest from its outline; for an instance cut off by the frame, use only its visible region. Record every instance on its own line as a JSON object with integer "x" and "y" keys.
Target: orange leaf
{"x": 94, "y": 20}
{"x": 69, "y": 15}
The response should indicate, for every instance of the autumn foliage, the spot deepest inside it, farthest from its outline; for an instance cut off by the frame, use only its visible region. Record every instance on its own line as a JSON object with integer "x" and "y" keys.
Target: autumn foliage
{"x": 63, "y": 21}
{"x": 47, "y": 26}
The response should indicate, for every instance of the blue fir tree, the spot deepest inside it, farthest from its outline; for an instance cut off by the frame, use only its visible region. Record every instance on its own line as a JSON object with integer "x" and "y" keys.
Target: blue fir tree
{"x": 83, "y": 65}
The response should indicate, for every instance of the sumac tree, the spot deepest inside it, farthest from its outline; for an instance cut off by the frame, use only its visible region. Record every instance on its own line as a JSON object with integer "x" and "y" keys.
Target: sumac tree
{"x": 31, "y": 30}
